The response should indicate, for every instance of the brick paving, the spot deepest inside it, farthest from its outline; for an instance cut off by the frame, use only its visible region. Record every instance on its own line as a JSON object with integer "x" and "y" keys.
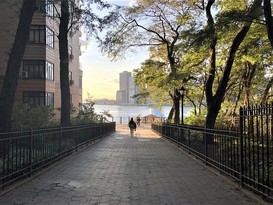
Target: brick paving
{"x": 120, "y": 169}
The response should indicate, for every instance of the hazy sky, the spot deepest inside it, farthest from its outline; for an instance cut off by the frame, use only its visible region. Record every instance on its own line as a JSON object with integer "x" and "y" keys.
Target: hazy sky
{"x": 100, "y": 74}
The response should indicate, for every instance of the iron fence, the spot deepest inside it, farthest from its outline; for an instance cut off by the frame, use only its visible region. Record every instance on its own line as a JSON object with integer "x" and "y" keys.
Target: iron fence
{"x": 245, "y": 154}
{"x": 257, "y": 148}
{"x": 24, "y": 152}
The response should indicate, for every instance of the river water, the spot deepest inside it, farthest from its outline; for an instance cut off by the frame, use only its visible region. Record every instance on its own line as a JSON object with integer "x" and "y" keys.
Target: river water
{"x": 121, "y": 113}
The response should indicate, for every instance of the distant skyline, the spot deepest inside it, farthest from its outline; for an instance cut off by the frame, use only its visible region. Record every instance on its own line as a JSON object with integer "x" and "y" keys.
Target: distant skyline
{"x": 100, "y": 74}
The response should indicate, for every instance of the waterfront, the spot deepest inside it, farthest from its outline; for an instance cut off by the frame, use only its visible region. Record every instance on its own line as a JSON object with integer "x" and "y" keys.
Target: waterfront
{"x": 121, "y": 113}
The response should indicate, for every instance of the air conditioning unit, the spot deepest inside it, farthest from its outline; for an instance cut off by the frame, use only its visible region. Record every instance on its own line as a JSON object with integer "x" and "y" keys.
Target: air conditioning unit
{"x": 71, "y": 82}
{"x": 24, "y": 74}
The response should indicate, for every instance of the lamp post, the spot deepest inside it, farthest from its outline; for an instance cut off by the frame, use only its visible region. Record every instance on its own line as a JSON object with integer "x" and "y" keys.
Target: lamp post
{"x": 182, "y": 93}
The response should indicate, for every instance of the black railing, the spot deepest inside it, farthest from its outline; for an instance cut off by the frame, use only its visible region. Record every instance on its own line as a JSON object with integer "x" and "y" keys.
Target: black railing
{"x": 246, "y": 155}
{"x": 222, "y": 153}
{"x": 24, "y": 152}
{"x": 257, "y": 148}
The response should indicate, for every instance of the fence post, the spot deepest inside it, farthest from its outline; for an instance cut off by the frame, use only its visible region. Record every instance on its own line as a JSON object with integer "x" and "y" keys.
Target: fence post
{"x": 77, "y": 137}
{"x": 60, "y": 142}
{"x": 206, "y": 147}
{"x": 189, "y": 140}
{"x": 30, "y": 151}
{"x": 241, "y": 145}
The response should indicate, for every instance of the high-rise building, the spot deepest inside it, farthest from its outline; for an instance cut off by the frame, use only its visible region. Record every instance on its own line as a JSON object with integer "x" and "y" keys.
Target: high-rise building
{"x": 39, "y": 78}
{"x": 127, "y": 88}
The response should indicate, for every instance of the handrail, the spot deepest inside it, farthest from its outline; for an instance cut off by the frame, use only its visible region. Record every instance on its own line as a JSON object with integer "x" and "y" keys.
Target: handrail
{"x": 24, "y": 152}
{"x": 229, "y": 151}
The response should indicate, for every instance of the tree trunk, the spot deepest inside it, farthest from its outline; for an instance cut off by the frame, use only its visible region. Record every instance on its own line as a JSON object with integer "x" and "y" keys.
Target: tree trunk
{"x": 176, "y": 100}
{"x": 64, "y": 64}
{"x": 170, "y": 116}
{"x": 241, "y": 87}
{"x": 14, "y": 63}
{"x": 214, "y": 102}
{"x": 266, "y": 91}
{"x": 268, "y": 20}
{"x": 250, "y": 71}
{"x": 210, "y": 118}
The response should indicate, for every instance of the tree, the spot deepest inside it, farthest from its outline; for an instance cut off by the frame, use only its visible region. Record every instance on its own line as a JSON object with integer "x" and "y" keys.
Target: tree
{"x": 152, "y": 79}
{"x": 268, "y": 20}
{"x": 14, "y": 63}
{"x": 155, "y": 24}
{"x": 70, "y": 18}
{"x": 67, "y": 17}
{"x": 214, "y": 101}
{"x": 251, "y": 67}
{"x": 64, "y": 63}
{"x": 269, "y": 26}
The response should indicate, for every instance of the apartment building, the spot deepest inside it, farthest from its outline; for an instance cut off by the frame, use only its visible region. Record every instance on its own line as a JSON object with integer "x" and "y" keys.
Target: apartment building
{"x": 39, "y": 82}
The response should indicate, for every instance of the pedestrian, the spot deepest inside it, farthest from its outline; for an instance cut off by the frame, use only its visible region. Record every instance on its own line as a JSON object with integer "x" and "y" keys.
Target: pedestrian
{"x": 138, "y": 121}
{"x": 132, "y": 126}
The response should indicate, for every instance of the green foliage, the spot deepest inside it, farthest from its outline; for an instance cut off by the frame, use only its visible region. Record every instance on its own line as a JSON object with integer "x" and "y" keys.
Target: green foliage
{"x": 153, "y": 80}
{"x": 198, "y": 120}
{"x": 25, "y": 116}
{"x": 86, "y": 114}
{"x": 105, "y": 115}
{"x": 251, "y": 64}
{"x": 224, "y": 118}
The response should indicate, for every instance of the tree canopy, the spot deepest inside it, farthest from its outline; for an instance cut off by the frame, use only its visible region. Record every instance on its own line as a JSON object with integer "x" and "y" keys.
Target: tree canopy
{"x": 219, "y": 50}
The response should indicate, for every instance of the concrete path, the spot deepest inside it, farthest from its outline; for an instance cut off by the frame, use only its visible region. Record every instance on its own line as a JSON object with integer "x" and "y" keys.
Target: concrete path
{"x": 120, "y": 169}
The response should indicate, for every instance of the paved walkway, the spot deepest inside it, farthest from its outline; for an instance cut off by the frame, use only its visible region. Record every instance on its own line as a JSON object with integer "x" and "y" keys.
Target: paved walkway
{"x": 128, "y": 170}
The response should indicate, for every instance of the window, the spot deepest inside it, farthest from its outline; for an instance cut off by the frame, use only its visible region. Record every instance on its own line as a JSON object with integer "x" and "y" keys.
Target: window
{"x": 38, "y": 98}
{"x": 41, "y": 35}
{"x": 49, "y": 8}
{"x": 34, "y": 98}
{"x": 49, "y": 37}
{"x": 49, "y": 99}
{"x": 37, "y": 34}
{"x": 49, "y": 71}
{"x": 34, "y": 68}
{"x": 38, "y": 69}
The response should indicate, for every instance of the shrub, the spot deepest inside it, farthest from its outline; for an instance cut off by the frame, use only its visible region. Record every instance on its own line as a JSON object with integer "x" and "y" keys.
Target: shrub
{"x": 25, "y": 116}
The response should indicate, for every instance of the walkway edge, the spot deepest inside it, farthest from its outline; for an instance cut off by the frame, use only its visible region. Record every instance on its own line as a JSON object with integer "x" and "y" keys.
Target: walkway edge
{"x": 227, "y": 179}
{"x": 10, "y": 188}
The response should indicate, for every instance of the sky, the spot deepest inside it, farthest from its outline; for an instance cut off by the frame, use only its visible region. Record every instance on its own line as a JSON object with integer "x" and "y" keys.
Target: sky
{"x": 100, "y": 74}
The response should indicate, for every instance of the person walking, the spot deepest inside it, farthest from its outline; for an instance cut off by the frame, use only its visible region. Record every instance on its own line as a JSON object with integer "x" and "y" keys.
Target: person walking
{"x": 138, "y": 119}
{"x": 132, "y": 126}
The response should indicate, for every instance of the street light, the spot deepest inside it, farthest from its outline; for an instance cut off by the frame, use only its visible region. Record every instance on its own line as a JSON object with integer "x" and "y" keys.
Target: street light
{"x": 182, "y": 92}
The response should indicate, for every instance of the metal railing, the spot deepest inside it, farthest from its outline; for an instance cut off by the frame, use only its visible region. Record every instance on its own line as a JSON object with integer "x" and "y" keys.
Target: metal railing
{"x": 24, "y": 152}
{"x": 256, "y": 142}
{"x": 144, "y": 120}
{"x": 235, "y": 153}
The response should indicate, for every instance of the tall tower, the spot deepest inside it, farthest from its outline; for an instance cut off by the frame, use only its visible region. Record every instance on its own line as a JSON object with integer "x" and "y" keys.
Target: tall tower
{"x": 127, "y": 88}
{"x": 124, "y": 84}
